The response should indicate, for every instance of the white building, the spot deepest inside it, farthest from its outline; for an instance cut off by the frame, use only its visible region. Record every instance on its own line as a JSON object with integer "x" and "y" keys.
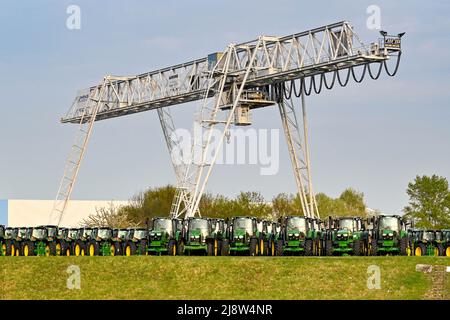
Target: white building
{"x": 24, "y": 213}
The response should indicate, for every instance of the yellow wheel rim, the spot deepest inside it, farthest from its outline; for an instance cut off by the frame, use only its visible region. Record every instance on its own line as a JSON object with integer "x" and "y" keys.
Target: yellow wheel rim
{"x": 408, "y": 251}
{"x": 26, "y": 250}
{"x": 447, "y": 252}
{"x": 273, "y": 248}
{"x": 47, "y": 250}
{"x": 174, "y": 250}
{"x": 17, "y": 251}
{"x": 128, "y": 251}
{"x": 436, "y": 252}
{"x": 3, "y": 249}
{"x": 58, "y": 249}
{"x": 68, "y": 252}
{"x": 13, "y": 250}
{"x": 77, "y": 250}
{"x": 82, "y": 253}
{"x": 112, "y": 250}
{"x": 418, "y": 251}
{"x": 91, "y": 250}
{"x": 261, "y": 247}
{"x": 216, "y": 247}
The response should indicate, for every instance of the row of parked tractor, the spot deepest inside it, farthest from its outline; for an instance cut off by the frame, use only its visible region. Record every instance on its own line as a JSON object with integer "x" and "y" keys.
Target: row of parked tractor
{"x": 291, "y": 235}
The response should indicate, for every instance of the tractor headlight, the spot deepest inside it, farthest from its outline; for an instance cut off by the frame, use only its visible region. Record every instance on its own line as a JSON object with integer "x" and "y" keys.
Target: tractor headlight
{"x": 197, "y": 237}
{"x": 297, "y": 234}
{"x": 158, "y": 234}
{"x": 391, "y": 234}
{"x": 241, "y": 237}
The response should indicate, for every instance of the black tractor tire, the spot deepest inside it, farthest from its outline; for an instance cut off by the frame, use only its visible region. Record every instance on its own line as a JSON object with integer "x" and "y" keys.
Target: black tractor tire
{"x": 180, "y": 248}
{"x": 253, "y": 247}
{"x": 58, "y": 247}
{"x": 329, "y": 248}
{"x": 308, "y": 247}
{"x": 210, "y": 248}
{"x": 279, "y": 249}
{"x": 92, "y": 248}
{"x": 52, "y": 248}
{"x": 440, "y": 249}
{"x": 118, "y": 250}
{"x": 10, "y": 248}
{"x": 357, "y": 248}
{"x": 404, "y": 243}
{"x": 129, "y": 249}
{"x": 447, "y": 251}
{"x": 143, "y": 248}
{"x": 28, "y": 249}
{"x": 172, "y": 248}
{"x": 66, "y": 249}
{"x": 374, "y": 248}
{"x": 225, "y": 248}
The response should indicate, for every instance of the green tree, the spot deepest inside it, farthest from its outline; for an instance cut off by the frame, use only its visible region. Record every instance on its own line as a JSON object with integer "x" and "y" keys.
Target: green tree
{"x": 429, "y": 202}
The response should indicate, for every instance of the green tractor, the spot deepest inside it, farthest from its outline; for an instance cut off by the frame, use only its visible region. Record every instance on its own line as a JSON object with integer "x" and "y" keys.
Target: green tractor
{"x": 268, "y": 231}
{"x": 198, "y": 237}
{"x": 102, "y": 243}
{"x": 120, "y": 236}
{"x": 71, "y": 243}
{"x": 446, "y": 242}
{"x": 2, "y": 241}
{"x": 346, "y": 236}
{"x": 136, "y": 242}
{"x": 389, "y": 236}
{"x": 61, "y": 236}
{"x": 84, "y": 236}
{"x": 23, "y": 235}
{"x": 163, "y": 236}
{"x": 299, "y": 235}
{"x": 10, "y": 241}
{"x": 41, "y": 242}
{"x": 243, "y": 237}
{"x": 426, "y": 243}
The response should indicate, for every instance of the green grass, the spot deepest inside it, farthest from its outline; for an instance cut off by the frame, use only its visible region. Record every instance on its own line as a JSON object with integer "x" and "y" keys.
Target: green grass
{"x": 216, "y": 278}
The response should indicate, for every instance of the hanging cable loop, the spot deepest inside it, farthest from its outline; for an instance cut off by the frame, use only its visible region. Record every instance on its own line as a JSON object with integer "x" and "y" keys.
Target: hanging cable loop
{"x": 396, "y": 66}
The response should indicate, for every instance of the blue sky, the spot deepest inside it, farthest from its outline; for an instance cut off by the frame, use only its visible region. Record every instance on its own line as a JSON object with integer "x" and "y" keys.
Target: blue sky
{"x": 374, "y": 136}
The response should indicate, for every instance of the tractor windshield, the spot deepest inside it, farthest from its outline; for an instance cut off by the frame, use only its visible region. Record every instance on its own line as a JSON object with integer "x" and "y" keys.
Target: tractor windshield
{"x": 122, "y": 234}
{"x": 438, "y": 236}
{"x": 296, "y": 223}
{"x": 162, "y": 224}
{"x": 87, "y": 233}
{"x": 22, "y": 233}
{"x": 51, "y": 231}
{"x": 390, "y": 223}
{"x": 199, "y": 224}
{"x": 104, "y": 233}
{"x": 140, "y": 234}
{"x": 428, "y": 236}
{"x": 73, "y": 233}
{"x": 9, "y": 233}
{"x": 2, "y": 232}
{"x": 346, "y": 224}
{"x": 245, "y": 224}
{"x": 39, "y": 233}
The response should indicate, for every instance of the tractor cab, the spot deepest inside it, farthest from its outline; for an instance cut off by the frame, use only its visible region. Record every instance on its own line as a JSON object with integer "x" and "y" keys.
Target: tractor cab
{"x": 102, "y": 234}
{"x": 198, "y": 230}
{"x": 242, "y": 228}
{"x": 11, "y": 233}
{"x": 52, "y": 231}
{"x": 62, "y": 233}
{"x": 162, "y": 227}
{"x": 120, "y": 235}
{"x": 390, "y": 236}
{"x": 39, "y": 234}
{"x": 72, "y": 234}
{"x": 2, "y": 232}
{"x": 138, "y": 234}
{"x": 295, "y": 228}
{"x": 86, "y": 233}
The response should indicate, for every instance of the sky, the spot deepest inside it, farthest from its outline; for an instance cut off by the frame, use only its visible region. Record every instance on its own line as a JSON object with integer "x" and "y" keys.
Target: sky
{"x": 374, "y": 137}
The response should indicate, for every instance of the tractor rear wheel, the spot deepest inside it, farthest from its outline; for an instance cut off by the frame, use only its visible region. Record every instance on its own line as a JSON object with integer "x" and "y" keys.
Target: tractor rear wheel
{"x": 78, "y": 248}
{"x": 404, "y": 247}
{"x": 143, "y": 248}
{"x": 329, "y": 248}
{"x": 357, "y": 250}
{"x": 279, "y": 248}
{"x": 253, "y": 247}
{"x": 180, "y": 248}
{"x": 3, "y": 253}
{"x": 130, "y": 249}
{"x": 210, "y": 248}
{"x": 440, "y": 249}
{"x": 225, "y": 248}
{"x": 28, "y": 249}
{"x": 10, "y": 248}
{"x": 374, "y": 248}
{"x": 420, "y": 250}
{"x": 92, "y": 248}
{"x": 172, "y": 248}
{"x": 308, "y": 247}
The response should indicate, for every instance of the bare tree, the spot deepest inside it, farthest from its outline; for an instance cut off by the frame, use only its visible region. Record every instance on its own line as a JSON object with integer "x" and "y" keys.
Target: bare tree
{"x": 110, "y": 216}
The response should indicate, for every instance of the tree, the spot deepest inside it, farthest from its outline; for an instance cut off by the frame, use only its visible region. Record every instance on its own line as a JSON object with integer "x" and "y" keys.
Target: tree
{"x": 110, "y": 216}
{"x": 429, "y": 202}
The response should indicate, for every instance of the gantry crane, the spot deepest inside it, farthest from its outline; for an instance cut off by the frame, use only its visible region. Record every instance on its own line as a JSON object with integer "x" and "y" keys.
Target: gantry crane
{"x": 231, "y": 84}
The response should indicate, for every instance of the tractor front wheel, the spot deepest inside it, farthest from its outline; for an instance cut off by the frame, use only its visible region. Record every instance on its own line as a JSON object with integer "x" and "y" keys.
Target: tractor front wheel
{"x": 374, "y": 248}
{"x": 180, "y": 248}
{"x": 10, "y": 248}
{"x": 329, "y": 248}
{"x": 439, "y": 250}
{"x": 92, "y": 248}
{"x": 404, "y": 247}
{"x": 172, "y": 248}
{"x": 28, "y": 249}
{"x": 357, "y": 250}
{"x": 130, "y": 249}
{"x": 279, "y": 247}
{"x": 143, "y": 248}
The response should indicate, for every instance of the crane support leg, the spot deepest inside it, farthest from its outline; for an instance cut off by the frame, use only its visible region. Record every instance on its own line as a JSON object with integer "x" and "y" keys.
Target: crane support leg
{"x": 297, "y": 141}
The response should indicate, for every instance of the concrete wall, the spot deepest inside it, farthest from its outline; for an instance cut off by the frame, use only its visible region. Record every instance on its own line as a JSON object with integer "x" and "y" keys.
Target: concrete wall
{"x": 18, "y": 213}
